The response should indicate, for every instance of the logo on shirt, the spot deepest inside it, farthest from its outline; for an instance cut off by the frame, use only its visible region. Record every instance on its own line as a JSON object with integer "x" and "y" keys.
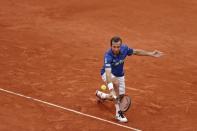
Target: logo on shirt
{"x": 118, "y": 63}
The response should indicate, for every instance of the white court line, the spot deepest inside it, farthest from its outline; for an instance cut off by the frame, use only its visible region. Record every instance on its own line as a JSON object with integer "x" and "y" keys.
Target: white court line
{"x": 71, "y": 110}
{"x": 135, "y": 89}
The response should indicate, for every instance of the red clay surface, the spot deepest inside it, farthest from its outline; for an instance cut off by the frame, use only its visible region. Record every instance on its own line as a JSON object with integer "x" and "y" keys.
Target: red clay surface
{"x": 53, "y": 50}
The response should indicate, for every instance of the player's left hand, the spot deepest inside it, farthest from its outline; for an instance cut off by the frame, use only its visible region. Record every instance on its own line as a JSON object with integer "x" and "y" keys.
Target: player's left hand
{"x": 156, "y": 53}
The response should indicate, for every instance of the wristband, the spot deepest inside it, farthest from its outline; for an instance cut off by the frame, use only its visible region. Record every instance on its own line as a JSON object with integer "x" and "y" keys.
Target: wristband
{"x": 110, "y": 86}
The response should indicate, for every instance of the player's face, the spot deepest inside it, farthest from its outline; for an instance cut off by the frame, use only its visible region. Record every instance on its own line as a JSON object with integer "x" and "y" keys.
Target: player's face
{"x": 116, "y": 47}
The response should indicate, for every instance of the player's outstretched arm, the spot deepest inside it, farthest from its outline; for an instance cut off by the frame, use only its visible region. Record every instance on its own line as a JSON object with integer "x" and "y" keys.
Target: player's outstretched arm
{"x": 154, "y": 53}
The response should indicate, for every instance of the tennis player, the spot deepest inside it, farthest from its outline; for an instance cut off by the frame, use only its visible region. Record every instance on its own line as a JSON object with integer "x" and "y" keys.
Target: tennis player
{"x": 113, "y": 72}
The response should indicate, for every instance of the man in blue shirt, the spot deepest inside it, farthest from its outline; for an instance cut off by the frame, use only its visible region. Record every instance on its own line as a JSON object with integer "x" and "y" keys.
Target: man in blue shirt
{"x": 113, "y": 72}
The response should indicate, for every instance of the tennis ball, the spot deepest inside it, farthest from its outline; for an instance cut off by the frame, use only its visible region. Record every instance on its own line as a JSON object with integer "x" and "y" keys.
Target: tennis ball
{"x": 103, "y": 87}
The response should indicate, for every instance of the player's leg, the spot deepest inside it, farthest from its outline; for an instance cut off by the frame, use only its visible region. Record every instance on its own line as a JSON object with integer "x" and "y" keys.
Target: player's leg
{"x": 121, "y": 92}
{"x": 119, "y": 114}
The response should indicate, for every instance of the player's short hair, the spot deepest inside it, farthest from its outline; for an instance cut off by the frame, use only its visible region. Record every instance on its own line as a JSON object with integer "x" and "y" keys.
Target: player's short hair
{"x": 116, "y": 39}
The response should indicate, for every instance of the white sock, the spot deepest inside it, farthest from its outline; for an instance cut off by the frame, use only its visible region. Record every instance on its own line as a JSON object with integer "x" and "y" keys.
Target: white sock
{"x": 117, "y": 108}
{"x": 102, "y": 95}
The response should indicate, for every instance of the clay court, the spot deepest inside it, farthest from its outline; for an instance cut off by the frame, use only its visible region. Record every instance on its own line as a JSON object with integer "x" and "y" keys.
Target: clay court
{"x": 51, "y": 53}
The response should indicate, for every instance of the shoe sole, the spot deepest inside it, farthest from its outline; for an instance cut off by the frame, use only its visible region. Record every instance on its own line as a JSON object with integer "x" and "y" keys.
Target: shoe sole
{"x": 99, "y": 100}
{"x": 120, "y": 120}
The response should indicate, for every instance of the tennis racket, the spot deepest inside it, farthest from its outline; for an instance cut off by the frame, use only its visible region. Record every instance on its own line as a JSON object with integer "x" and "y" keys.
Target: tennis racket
{"x": 125, "y": 103}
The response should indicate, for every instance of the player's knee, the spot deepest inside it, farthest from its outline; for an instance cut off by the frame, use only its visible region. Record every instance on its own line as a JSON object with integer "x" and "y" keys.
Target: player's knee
{"x": 116, "y": 83}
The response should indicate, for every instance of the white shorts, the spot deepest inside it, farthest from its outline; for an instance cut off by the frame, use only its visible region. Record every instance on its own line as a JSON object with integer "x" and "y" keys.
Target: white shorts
{"x": 121, "y": 82}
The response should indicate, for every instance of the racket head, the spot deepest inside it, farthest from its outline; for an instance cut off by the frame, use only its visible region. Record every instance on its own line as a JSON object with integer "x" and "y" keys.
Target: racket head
{"x": 125, "y": 103}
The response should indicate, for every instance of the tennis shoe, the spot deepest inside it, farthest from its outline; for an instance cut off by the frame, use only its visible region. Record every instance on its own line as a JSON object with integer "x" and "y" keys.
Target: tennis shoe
{"x": 120, "y": 117}
{"x": 98, "y": 97}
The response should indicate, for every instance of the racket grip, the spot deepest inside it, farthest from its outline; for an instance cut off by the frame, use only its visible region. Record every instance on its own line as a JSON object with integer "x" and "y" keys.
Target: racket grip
{"x": 114, "y": 96}
{"x": 113, "y": 93}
